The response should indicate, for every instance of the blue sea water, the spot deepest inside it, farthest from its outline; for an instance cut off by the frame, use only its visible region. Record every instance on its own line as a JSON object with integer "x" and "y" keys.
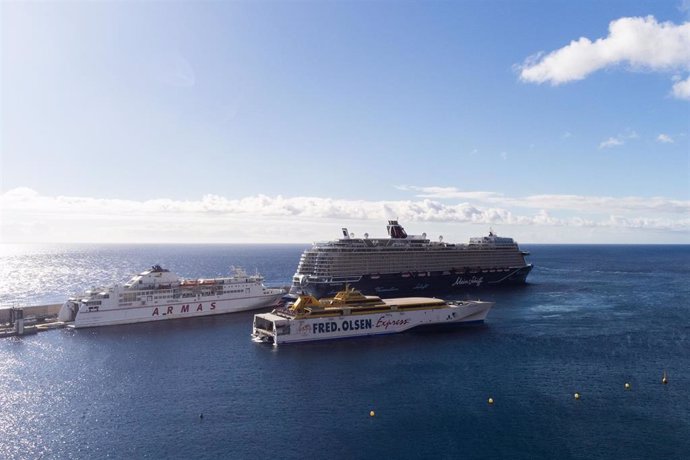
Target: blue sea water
{"x": 591, "y": 319}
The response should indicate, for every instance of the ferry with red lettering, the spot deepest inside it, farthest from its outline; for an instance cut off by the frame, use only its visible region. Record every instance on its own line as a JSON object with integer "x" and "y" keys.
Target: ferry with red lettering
{"x": 351, "y": 314}
{"x": 159, "y": 294}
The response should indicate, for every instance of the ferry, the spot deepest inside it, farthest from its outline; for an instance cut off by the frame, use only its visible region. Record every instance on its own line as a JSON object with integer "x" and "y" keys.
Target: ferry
{"x": 408, "y": 265}
{"x": 159, "y": 294}
{"x": 351, "y": 314}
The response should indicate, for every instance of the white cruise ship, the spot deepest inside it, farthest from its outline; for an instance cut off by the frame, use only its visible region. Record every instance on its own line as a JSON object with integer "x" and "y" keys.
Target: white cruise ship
{"x": 405, "y": 264}
{"x": 351, "y": 314}
{"x": 158, "y": 294}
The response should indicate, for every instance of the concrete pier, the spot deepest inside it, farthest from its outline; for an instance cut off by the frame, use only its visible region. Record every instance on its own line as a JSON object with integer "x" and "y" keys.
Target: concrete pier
{"x": 40, "y": 312}
{"x": 17, "y": 321}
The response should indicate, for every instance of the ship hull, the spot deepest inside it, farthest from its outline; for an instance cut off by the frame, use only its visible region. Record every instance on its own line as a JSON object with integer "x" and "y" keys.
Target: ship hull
{"x": 415, "y": 284}
{"x": 282, "y": 330}
{"x": 167, "y": 311}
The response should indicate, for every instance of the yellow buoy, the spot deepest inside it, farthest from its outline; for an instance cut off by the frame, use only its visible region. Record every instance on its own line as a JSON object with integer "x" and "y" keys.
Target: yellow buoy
{"x": 491, "y": 400}
{"x": 627, "y": 386}
{"x": 576, "y": 395}
{"x": 372, "y": 413}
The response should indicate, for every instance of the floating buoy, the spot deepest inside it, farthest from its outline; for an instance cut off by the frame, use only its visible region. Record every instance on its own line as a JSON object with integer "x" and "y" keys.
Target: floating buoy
{"x": 627, "y": 386}
{"x": 201, "y": 415}
{"x": 576, "y": 395}
{"x": 664, "y": 380}
{"x": 372, "y": 413}
{"x": 491, "y": 400}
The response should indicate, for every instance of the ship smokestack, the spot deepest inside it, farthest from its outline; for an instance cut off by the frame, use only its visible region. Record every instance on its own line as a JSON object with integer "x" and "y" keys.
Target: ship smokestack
{"x": 395, "y": 230}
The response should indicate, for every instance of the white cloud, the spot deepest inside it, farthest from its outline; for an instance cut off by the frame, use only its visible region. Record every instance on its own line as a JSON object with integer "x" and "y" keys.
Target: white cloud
{"x": 26, "y": 200}
{"x": 451, "y": 192}
{"x": 29, "y": 216}
{"x": 681, "y": 89}
{"x": 611, "y": 142}
{"x": 643, "y": 44}
{"x": 664, "y": 139}
{"x": 577, "y": 203}
{"x": 684, "y": 7}
{"x": 618, "y": 140}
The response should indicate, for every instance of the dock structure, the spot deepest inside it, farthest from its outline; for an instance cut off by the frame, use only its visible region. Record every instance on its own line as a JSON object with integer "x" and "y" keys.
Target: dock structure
{"x": 40, "y": 312}
{"x": 17, "y": 321}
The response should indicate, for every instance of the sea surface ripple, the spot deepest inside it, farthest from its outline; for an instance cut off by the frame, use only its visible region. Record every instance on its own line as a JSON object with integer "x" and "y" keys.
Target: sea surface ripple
{"x": 591, "y": 319}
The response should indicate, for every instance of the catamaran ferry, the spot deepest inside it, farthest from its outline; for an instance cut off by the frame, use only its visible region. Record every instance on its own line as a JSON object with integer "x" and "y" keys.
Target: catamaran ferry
{"x": 408, "y": 265}
{"x": 158, "y": 294}
{"x": 351, "y": 314}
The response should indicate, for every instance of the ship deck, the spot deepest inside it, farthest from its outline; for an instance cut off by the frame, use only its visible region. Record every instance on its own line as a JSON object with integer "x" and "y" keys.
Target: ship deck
{"x": 345, "y": 309}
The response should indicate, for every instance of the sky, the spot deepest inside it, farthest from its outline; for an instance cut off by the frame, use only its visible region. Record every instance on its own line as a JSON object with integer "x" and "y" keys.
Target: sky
{"x": 281, "y": 122}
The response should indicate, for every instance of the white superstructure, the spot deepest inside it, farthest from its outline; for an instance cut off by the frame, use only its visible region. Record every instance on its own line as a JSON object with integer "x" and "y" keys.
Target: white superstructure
{"x": 350, "y": 314}
{"x": 158, "y": 294}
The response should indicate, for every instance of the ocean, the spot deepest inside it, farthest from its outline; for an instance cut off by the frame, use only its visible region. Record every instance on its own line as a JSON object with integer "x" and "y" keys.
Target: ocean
{"x": 591, "y": 319}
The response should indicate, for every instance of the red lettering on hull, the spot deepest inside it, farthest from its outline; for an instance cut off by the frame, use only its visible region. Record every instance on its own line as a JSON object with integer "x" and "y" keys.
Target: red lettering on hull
{"x": 183, "y": 309}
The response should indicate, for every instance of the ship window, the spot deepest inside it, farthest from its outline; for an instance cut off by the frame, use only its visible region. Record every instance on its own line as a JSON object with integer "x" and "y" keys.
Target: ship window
{"x": 261, "y": 323}
{"x": 283, "y": 329}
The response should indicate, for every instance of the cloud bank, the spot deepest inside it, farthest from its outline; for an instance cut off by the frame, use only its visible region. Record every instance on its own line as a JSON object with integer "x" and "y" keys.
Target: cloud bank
{"x": 28, "y": 215}
{"x": 578, "y": 203}
{"x": 641, "y": 44}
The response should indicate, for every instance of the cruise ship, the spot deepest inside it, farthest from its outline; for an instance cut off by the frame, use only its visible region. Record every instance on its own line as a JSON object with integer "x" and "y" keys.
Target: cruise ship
{"x": 159, "y": 294}
{"x": 351, "y": 314}
{"x": 405, "y": 264}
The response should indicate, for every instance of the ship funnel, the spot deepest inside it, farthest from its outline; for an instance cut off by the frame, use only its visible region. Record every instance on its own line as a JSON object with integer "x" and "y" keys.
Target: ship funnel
{"x": 346, "y": 235}
{"x": 395, "y": 230}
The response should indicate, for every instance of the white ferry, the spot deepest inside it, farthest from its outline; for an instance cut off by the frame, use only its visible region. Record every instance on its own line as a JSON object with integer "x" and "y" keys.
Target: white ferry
{"x": 351, "y": 314}
{"x": 158, "y": 294}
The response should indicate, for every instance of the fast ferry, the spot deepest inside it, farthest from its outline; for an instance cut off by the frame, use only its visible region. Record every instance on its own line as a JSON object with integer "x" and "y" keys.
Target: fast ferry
{"x": 408, "y": 265}
{"x": 351, "y": 314}
{"x": 159, "y": 294}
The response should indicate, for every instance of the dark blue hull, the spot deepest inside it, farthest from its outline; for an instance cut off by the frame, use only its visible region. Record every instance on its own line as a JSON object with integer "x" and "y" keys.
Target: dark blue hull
{"x": 417, "y": 284}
